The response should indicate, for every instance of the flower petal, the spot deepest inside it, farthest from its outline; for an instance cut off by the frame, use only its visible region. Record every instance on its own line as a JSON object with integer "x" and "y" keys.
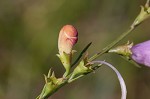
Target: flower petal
{"x": 120, "y": 78}
{"x": 141, "y": 53}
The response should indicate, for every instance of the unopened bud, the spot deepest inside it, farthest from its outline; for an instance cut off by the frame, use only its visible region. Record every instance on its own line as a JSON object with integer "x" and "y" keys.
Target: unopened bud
{"x": 68, "y": 37}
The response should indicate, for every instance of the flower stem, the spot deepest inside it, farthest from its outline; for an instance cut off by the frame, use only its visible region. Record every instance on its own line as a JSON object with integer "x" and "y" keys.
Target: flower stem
{"x": 143, "y": 15}
{"x": 71, "y": 80}
{"x": 107, "y": 48}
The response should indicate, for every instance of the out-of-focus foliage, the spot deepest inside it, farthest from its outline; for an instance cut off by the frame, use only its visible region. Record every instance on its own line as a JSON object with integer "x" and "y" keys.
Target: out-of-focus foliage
{"x": 28, "y": 46}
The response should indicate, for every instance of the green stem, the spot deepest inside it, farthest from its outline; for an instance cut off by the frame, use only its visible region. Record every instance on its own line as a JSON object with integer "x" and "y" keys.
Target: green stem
{"x": 49, "y": 94}
{"x": 71, "y": 80}
{"x": 83, "y": 51}
{"x": 107, "y": 48}
{"x": 143, "y": 15}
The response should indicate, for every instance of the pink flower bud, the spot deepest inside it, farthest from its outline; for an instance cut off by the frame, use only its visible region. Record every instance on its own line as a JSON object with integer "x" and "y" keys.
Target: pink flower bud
{"x": 68, "y": 37}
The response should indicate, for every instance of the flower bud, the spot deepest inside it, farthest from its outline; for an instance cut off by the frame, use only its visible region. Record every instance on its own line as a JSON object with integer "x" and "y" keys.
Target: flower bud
{"x": 83, "y": 68}
{"x": 143, "y": 15}
{"x": 68, "y": 37}
{"x": 141, "y": 53}
{"x": 51, "y": 85}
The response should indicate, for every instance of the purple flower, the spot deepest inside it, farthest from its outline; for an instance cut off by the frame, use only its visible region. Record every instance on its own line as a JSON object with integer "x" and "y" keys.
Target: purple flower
{"x": 141, "y": 53}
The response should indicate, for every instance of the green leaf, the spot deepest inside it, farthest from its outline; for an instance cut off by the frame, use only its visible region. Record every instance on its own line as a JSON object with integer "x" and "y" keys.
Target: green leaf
{"x": 82, "y": 52}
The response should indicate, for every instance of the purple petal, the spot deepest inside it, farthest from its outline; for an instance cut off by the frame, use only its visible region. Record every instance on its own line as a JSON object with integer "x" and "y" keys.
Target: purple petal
{"x": 141, "y": 53}
{"x": 120, "y": 78}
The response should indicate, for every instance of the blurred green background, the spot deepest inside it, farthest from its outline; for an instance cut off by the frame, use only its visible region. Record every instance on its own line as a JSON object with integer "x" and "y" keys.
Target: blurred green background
{"x": 28, "y": 47}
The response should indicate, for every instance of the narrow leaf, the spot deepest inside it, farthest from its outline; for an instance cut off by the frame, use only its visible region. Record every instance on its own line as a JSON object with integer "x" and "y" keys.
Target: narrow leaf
{"x": 83, "y": 51}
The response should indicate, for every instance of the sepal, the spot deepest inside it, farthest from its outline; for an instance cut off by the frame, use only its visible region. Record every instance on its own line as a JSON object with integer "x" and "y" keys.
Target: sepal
{"x": 83, "y": 68}
{"x": 143, "y": 15}
{"x": 124, "y": 50}
{"x": 51, "y": 84}
{"x": 66, "y": 61}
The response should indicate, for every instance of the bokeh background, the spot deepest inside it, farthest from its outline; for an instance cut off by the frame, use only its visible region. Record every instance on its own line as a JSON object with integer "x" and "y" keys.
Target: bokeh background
{"x": 28, "y": 47}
